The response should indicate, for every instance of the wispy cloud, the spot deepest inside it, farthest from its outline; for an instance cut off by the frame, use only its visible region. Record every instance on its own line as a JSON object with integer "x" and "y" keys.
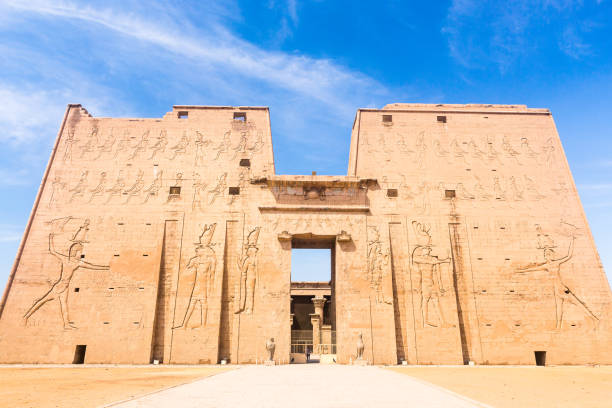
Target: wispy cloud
{"x": 480, "y": 33}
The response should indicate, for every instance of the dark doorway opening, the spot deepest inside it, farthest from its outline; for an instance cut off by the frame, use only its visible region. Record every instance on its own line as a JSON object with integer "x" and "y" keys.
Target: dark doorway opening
{"x": 313, "y": 336}
{"x": 540, "y": 358}
{"x": 79, "y": 354}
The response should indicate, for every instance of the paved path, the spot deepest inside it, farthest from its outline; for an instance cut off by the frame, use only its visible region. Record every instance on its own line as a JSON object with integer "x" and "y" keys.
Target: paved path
{"x": 305, "y": 385}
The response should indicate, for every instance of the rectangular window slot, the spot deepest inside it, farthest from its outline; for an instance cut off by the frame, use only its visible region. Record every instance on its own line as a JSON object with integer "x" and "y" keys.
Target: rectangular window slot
{"x": 511, "y": 290}
{"x": 234, "y": 191}
{"x": 79, "y": 354}
{"x": 245, "y": 163}
{"x": 540, "y": 358}
{"x": 475, "y": 227}
{"x": 484, "y": 291}
{"x": 241, "y": 116}
{"x": 148, "y": 223}
{"x": 468, "y": 169}
{"x": 489, "y": 324}
{"x": 145, "y": 254}
{"x": 507, "y": 259}
{"x": 480, "y": 259}
{"x": 392, "y": 192}
{"x": 493, "y": 169}
{"x": 502, "y": 227}
{"x": 76, "y": 289}
{"x": 387, "y": 118}
{"x": 175, "y": 190}
{"x": 449, "y": 193}
{"x": 573, "y": 325}
{"x": 119, "y": 223}
{"x": 183, "y": 115}
{"x": 116, "y": 255}
{"x": 82, "y": 256}
{"x": 517, "y": 324}
{"x": 106, "y": 322}
{"x": 111, "y": 288}
{"x": 441, "y": 119}
{"x": 141, "y": 288}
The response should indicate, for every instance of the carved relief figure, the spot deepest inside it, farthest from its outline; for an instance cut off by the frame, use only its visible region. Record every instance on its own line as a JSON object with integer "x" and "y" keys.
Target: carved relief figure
{"x": 117, "y": 188}
{"x": 225, "y": 145}
{"x": 70, "y": 262}
{"x": 136, "y": 188}
{"x": 181, "y": 146}
{"x": 219, "y": 189}
{"x": 203, "y": 265}
{"x": 200, "y": 144}
{"x": 526, "y": 150}
{"x": 107, "y": 146}
{"x": 80, "y": 188}
{"x": 242, "y": 144}
{"x": 439, "y": 150}
{"x": 123, "y": 144}
{"x": 199, "y": 187}
{"x": 141, "y": 146}
{"x": 428, "y": 267}
{"x": 87, "y": 147}
{"x": 421, "y": 150}
{"x": 160, "y": 145}
{"x": 70, "y": 141}
{"x": 549, "y": 151}
{"x": 247, "y": 265}
{"x": 56, "y": 186}
{"x": 552, "y": 266}
{"x": 153, "y": 189}
{"x": 458, "y": 151}
{"x": 256, "y": 147}
{"x": 100, "y": 188}
{"x": 475, "y": 150}
{"x": 377, "y": 261}
{"x": 510, "y": 151}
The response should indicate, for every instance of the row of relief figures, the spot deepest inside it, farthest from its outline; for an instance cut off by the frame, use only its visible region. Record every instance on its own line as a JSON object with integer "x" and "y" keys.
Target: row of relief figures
{"x": 136, "y": 190}
{"x": 489, "y": 151}
{"x": 428, "y": 266}
{"x": 94, "y": 146}
{"x": 68, "y": 237}
{"x": 497, "y": 189}
{"x": 433, "y": 272}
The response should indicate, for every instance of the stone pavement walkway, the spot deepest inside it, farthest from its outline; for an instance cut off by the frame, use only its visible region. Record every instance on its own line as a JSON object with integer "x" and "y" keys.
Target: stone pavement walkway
{"x": 305, "y": 385}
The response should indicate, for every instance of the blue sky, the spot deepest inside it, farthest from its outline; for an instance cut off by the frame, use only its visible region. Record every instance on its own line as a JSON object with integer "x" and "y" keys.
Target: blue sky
{"x": 313, "y": 63}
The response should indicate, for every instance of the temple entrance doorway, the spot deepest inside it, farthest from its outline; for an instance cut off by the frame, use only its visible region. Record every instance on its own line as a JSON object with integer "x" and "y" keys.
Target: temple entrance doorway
{"x": 313, "y": 322}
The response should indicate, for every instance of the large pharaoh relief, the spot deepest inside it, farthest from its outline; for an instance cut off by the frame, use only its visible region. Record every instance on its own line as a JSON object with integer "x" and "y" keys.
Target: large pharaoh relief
{"x": 67, "y": 238}
{"x": 378, "y": 266}
{"x": 202, "y": 266}
{"x": 249, "y": 279}
{"x": 430, "y": 270}
{"x": 557, "y": 253}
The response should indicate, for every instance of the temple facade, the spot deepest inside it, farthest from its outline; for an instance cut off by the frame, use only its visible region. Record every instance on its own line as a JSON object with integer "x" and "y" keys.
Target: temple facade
{"x": 457, "y": 235}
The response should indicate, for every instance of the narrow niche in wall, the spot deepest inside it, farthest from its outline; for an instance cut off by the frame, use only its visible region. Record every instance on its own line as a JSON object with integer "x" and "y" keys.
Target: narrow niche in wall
{"x": 79, "y": 354}
{"x": 540, "y": 358}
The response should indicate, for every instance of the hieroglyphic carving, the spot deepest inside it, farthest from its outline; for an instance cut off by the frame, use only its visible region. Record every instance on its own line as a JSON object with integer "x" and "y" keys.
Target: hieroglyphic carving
{"x": 475, "y": 151}
{"x": 526, "y": 149}
{"x": 458, "y": 151}
{"x": 421, "y": 150}
{"x": 500, "y": 193}
{"x": 153, "y": 189}
{"x": 480, "y": 191}
{"x": 509, "y": 150}
{"x": 117, "y": 188}
{"x": 87, "y": 147}
{"x": 258, "y": 144}
{"x": 552, "y": 266}
{"x": 160, "y": 145}
{"x": 80, "y": 188}
{"x": 100, "y": 188}
{"x": 203, "y": 266}
{"x": 492, "y": 153}
{"x": 70, "y": 261}
{"x": 136, "y": 188}
{"x": 241, "y": 146}
{"x": 530, "y": 186}
{"x": 199, "y": 188}
{"x": 516, "y": 190}
{"x": 428, "y": 267}
{"x": 247, "y": 265}
{"x": 377, "y": 262}
{"x": 219, "y": 189}
{"x": 439, "y": 150}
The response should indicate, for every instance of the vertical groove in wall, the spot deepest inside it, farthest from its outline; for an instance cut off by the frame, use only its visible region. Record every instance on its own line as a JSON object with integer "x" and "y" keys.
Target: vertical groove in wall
{"x": 460, "y": 291}
{"x": 163, "y": 323}
{"x": 399, "y": 291}
{"x": 227, "y": 313}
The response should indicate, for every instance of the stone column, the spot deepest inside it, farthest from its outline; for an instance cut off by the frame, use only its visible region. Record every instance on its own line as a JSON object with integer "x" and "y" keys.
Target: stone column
{"x": 318, "y": 306}
{"x": 316, "y": 332}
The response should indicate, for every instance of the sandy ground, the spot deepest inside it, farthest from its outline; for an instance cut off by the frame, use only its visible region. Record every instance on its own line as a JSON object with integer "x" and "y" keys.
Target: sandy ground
{"x": 544, "y": 387}
{"x": 44, "y": 387}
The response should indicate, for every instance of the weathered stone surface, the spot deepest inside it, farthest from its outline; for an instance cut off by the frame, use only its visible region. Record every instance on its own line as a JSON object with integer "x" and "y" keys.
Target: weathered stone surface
{"x": 457, "y": 235}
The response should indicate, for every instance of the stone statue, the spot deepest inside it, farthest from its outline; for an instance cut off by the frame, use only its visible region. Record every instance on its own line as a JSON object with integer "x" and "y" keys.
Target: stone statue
{"x": 270, "y": 346}
{"x": 360, "y": 347}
